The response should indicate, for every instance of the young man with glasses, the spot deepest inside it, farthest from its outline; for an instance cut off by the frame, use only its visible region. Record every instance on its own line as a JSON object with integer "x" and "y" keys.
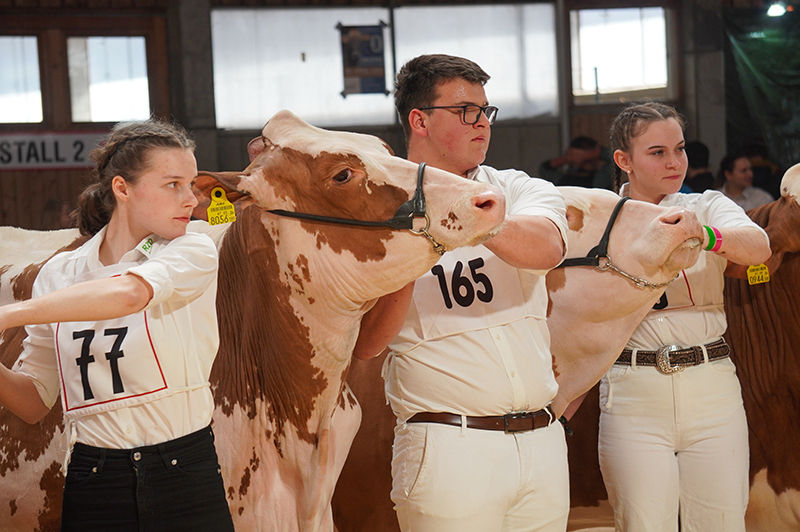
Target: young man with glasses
{"x": 469, "y": 371}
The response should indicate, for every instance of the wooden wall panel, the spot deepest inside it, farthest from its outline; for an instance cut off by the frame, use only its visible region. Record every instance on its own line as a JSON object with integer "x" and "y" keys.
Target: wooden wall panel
{"x": 34, "y": 199}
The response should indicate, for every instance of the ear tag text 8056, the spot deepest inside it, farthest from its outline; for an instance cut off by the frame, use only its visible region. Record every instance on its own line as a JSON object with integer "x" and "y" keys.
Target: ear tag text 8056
{"x": 221, "y": 211}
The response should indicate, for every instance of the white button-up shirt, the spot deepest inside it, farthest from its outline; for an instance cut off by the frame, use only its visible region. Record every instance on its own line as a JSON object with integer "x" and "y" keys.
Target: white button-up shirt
{"x": 141, "y": 379}
{"x": 475, "y": 341}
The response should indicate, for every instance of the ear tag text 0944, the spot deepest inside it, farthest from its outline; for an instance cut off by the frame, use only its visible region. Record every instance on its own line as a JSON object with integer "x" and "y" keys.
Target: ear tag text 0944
{"x": 221, "y": 211}
{"x": 757, "y": 274}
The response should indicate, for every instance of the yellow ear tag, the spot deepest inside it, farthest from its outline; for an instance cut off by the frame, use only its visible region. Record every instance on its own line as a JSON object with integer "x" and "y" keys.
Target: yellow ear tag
{"x": 757, "y": 274}
{"x": 221, "y": 211}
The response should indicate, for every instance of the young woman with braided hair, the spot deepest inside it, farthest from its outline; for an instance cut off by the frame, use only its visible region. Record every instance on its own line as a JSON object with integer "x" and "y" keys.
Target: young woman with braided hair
{"x": 124, "y": 330}
{"x": 673, "y": 433}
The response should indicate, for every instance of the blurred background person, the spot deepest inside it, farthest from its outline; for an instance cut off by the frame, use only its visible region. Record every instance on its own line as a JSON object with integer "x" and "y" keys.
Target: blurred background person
{"x": 584, "y": 164}
{"x": 766, "y": 174}
{"x": 735, "y": 178}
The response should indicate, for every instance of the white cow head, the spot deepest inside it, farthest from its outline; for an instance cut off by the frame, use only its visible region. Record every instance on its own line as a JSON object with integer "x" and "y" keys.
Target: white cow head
{"x": 790, "y": 183}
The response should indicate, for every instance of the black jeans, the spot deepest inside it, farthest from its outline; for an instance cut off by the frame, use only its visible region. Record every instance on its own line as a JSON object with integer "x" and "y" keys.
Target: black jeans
{"x": 172, "y": 486}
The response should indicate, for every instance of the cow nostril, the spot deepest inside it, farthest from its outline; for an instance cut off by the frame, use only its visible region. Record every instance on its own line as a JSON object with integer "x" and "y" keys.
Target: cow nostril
{"x": 485, "y": 204}
{"x": 672, "y": 219}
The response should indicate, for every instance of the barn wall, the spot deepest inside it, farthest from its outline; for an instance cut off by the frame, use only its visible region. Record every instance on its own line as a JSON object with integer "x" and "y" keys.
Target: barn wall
{"x": 519, "y": 144}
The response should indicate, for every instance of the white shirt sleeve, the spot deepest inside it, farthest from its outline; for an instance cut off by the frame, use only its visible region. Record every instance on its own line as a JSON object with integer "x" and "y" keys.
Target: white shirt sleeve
{"x": 38, "y": 357}
{"x": 721, "y": 211}
{"x": 531, "y": 196}
{"x": 184, "y": 268}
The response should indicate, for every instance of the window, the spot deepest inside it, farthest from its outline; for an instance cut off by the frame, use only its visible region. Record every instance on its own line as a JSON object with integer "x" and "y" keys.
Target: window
{"x": 66, "y": 72}
{"x": 619, "y": 53}
{"x": 266, "y": 60}
{"x": 20, "y": 94}
{"x": 514, "y": 44}
{"x": 108, "y": 79}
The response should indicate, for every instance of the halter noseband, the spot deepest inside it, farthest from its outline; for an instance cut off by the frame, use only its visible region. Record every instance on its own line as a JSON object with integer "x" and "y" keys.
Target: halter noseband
{"x": 600, "y": 251}
{"x": 598, "y": 255}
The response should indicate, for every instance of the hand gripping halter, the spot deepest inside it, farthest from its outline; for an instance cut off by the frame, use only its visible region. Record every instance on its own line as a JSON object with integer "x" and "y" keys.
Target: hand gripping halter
{"x": 598, "y": 256}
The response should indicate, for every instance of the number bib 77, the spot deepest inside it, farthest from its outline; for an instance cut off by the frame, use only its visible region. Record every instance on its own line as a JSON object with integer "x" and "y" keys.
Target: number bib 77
{"x": 108, "y": 364}
{"x": 468, "y": 289}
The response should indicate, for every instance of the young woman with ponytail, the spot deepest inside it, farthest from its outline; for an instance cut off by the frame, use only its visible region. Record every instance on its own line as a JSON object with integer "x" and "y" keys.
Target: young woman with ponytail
{"x": 123, "y": 330}
{"x": 673, "y": 433}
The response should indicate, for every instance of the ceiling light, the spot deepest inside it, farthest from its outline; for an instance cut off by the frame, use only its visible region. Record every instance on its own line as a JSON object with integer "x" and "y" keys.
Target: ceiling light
{"x": 777, "y": 9}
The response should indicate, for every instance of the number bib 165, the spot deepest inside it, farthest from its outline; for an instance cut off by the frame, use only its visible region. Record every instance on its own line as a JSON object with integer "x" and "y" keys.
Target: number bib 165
{"x": 469, "y": 288}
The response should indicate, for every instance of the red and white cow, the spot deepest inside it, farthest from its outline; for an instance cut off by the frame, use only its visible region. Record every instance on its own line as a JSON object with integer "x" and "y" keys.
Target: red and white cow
{"x": 592, "y": 314}
{"x": 290, "y": 299}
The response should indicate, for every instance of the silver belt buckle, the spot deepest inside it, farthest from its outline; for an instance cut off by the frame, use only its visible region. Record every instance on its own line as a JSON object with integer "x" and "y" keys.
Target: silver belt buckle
{"x": 662, "y": 360}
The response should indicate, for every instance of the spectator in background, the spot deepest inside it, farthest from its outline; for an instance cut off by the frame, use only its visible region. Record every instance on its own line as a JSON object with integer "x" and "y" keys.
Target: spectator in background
{"x": 699, "y": 176}
{"x": 584, "y": 164}
{"x": 766, "y": 174}
{"x": 736, "y": 179}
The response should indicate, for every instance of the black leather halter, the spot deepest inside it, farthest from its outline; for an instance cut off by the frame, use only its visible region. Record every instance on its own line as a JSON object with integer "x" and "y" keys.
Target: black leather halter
{"x": 600, "y": 251}
{"x": 403, "y": 218}
{"x": 598, "y": 256}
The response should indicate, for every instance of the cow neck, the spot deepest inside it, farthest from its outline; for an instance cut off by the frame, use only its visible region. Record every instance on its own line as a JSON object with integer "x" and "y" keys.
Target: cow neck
{"x": 773, "y": 218}
{"x": 265, "y": 351}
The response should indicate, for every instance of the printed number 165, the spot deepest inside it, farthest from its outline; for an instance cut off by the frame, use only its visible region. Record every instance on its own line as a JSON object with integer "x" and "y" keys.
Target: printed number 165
{"x": 462, "y": 288}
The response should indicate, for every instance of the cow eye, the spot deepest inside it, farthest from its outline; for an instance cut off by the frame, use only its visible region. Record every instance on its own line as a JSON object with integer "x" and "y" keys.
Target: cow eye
{"x": 343, "y": 176}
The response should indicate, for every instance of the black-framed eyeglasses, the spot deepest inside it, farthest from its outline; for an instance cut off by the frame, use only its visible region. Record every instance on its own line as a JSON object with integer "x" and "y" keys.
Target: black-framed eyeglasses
{"x": 470, "y": 113}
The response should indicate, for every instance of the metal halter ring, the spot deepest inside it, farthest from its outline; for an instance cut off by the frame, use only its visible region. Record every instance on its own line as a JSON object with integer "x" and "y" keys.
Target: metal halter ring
{"x": 437, "y": 247}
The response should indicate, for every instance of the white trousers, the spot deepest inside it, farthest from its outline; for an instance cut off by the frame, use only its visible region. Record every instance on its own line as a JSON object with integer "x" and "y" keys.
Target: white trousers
{"x": 676, "y": 443}
{"x": 453, "y": 479}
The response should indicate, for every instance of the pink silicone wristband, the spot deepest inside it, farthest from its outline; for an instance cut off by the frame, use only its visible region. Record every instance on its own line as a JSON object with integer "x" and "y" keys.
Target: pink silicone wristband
{"x": 718, "y": 243}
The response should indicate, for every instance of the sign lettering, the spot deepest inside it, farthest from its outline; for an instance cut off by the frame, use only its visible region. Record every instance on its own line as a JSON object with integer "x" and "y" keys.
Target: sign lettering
{"x": 32, "y": 151}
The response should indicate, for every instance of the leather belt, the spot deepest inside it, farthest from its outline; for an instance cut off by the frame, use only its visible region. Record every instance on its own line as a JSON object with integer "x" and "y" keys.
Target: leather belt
{"x": 513, "y": 422}
{"x": 672, "y": 358}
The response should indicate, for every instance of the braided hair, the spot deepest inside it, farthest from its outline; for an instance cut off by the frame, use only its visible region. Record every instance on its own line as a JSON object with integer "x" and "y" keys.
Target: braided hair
{"x": 631, "y": 122}
{"x": 124, "y": 153}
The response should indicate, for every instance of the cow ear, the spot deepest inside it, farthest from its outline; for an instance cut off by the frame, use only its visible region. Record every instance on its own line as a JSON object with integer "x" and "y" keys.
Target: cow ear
{"x": 388, "y": 148}
{"x": 205, "y": 182}
{"x": 258, "y": 145}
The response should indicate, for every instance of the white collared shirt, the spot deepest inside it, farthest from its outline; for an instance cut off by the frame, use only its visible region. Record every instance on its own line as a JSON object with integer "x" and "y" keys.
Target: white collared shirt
{"x": 475, "y": 341}
{"x": 141, "y": 379}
